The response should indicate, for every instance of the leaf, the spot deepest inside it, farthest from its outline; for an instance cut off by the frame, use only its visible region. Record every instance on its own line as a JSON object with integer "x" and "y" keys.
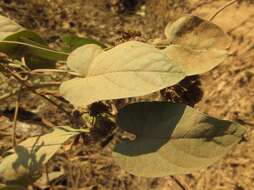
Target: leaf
{"x": 127, "y": 70}
{"x": 31, "y": 46}
{"x": 81, "y": 58}
{"x": 196, "y": 44}
{"x": 172, "y": 139}
{"x": 25, "y": 166}
{"x": 74, "y": 42}
{"x": 195, "y": 61}
{"x": 18, "y": 42}
{"x": 12, "y": 187}
{"x": 8, "y": 27}
{"x": 197, "y": 33}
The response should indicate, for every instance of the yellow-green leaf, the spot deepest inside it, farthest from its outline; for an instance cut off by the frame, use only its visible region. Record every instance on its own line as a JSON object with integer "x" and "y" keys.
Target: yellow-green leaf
{"x": 25, "y": 166}
{"x": 8, "y": 27}
{"x": 127, "y": 70}
{"x": 12, "y": 187}
{"x": 81, "y": 58}
{"x": 172, "y": 139}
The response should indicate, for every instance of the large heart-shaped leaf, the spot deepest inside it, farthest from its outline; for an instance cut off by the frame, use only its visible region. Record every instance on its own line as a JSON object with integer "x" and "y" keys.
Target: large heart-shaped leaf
{"x": 127, "y": 70}
{"x": 25, "y": 166}
{"x": 172, "y": 139}
{"x": 197, "y": 44}
{"x": 18, "y": 42}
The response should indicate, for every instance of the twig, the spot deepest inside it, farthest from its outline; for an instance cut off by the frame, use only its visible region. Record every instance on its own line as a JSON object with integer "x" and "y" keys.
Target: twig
{"x": 54, "y": 71}
{"x": 14, "y": 142}
{"x": 29, "y": 87}
{"x": 179, "y": 183}
{"x": 47, "y": 177}
{"x": 45, "y": 85}
{"x": 222, "y": 8}
{"x": 76, "y": 186}
{"x": 7, "y": 95}
{"x": 242, "y": 122}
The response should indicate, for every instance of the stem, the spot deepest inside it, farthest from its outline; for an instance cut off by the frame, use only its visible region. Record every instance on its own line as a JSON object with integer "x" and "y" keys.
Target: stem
{"x": 53, "y": 71}
{"x": 34, "y": 46}
{"x": 7, "y": 95}
{"x": 45, "y": 85}
{"x": 30, "y": 87}
{"x": 47, "y": 177}
{"x": 222, "y": 8}
{"x": 14, "y": 142}
{"x": 179, "y": 183}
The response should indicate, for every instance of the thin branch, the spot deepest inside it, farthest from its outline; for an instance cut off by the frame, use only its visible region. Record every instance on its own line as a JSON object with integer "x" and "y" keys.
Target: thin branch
{"x": 222, "y": 8}
{"x": 45, "y": 85}
{"x": 14, "y": 142}
{"x": 29, "y": 87}
{"x": 54, "y": 71}
{"x": 247, "y": 123}
{"x": 179, "y": 183}
{"x": 7, "y": 95}
{"x": 47, "y": 177}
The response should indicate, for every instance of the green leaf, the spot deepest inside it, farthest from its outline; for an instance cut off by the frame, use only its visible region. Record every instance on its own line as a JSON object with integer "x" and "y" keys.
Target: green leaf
{"x": 197, "y": 45}
{"x": 12, "y": 187}
{"x": 127, "y": 70}
{"x": 25, "y": 166}
{"x": 172, "y": 139}
{"x": 31, "y": 46}
{"x": 18, "y": 42}
{"x": 74, "y": 42}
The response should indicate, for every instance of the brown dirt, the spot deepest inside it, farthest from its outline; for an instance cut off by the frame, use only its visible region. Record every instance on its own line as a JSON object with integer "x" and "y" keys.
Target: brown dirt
{"x": 228, "y": 90}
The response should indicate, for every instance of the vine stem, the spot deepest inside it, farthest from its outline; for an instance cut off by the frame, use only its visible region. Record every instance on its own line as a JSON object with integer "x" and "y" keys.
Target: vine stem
{"x": 222, "y": 8}
{"x": 17, "y": 104}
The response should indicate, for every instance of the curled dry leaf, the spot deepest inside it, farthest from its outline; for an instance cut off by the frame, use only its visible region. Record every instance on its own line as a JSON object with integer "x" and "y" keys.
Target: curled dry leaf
{"x": 190, "y": 36}
{"x": 195, "y": 61}
{"x": 172, "y": 139}
{"x": 25, "y": 165}
{"x": 127, "y": 70}
{"x": 196, "y": 33}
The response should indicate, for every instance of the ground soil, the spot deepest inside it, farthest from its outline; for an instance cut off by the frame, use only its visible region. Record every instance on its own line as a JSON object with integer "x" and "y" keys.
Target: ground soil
{"x": 226, "y": 92}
